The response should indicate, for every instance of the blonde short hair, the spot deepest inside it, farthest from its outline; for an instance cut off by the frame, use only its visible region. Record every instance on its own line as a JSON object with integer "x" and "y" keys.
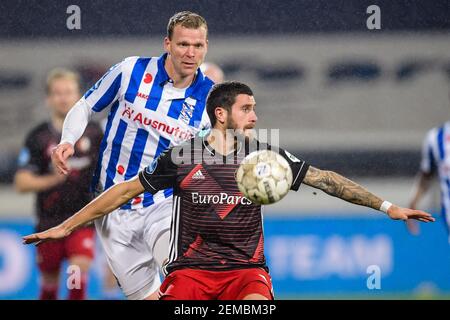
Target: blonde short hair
{"x": 186, "y": 19}
{"x": 61, "y": 73}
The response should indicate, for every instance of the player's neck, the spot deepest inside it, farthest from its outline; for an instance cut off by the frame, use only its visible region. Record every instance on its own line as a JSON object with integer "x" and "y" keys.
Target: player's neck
{"x": 222, "y": 142}
{"x": 178, "y": 80}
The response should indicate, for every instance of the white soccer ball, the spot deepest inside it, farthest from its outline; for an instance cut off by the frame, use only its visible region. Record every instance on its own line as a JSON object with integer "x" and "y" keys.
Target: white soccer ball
{"x": 264, "y": 177}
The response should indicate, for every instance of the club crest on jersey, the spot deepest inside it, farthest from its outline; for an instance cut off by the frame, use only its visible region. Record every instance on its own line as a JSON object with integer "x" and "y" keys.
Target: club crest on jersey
{"x": 152, "y": 167}
{"x": 187, "y": 111}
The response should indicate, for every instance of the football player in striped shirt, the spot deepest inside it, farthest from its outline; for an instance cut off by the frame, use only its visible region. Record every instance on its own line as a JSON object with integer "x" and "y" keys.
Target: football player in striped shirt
{"x": 435, "y": 159}
{"x": 153, "y": 103}
{"x": 216, "y": 238}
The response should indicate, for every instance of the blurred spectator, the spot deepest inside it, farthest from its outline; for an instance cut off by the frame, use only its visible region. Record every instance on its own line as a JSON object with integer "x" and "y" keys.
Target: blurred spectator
{"x": 212, "y": 71}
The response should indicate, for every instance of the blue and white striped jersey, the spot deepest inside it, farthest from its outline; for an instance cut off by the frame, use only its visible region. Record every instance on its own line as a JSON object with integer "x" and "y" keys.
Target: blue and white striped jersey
{"x": 436, "y": 158}
{"x": 147, "y": 115}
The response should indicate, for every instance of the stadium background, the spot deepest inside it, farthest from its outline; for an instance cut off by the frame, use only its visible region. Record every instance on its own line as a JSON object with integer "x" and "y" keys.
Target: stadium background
{"x": 346, "y": 98}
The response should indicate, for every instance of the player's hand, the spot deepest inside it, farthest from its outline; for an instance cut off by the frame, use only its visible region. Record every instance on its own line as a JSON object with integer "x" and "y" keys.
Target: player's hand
{"x": 60, "y": 154}
{"x": 55, "y": 233}
{"x": 399, "y": 213}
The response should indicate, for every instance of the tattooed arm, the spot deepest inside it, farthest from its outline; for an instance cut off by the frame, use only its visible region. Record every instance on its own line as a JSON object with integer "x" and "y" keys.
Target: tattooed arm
{"x": 338, "y": 186}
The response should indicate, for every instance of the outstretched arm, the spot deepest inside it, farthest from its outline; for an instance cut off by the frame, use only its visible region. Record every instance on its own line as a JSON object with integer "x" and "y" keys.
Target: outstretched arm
{"x": 338, "y": 186}
{"x": 100, "y": 206}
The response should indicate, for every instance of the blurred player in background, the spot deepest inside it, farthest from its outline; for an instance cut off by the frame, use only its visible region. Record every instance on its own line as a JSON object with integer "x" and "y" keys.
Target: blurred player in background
{"x": 217, "y": 247}
{"x": 154, "y": 103}
{"x": 213, "y": 71}
{"x": 59, "y": 196}
{"x": 435, "y": 160}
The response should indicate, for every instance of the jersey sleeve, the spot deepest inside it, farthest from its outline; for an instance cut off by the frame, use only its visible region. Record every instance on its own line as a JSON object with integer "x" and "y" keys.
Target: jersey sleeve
{"x": 428, "y": 161}
{"x": 106, "y": 90}
{"x": 30, "y": 155}
{"x": 299, "y": 168}
{"x": 160, "y": 174}
{"x": 76, "y": 121}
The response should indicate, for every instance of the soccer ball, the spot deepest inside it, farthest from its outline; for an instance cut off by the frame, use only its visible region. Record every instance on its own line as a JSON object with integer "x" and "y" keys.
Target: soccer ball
{"x": 264, "y": 177}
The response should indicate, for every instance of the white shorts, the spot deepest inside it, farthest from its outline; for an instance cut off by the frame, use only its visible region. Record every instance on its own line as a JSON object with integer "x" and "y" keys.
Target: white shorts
{"x": 128, "y": 238}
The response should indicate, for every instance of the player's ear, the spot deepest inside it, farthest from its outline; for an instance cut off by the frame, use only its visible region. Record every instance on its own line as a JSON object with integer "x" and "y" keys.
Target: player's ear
{"x": 221, "y": 114}
{"x": 166, "y": 44}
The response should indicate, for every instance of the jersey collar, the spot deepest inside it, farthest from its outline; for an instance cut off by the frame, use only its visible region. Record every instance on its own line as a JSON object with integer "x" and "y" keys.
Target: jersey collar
{"x": 213, "y": 152}
{"x": 194, "y": 90}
